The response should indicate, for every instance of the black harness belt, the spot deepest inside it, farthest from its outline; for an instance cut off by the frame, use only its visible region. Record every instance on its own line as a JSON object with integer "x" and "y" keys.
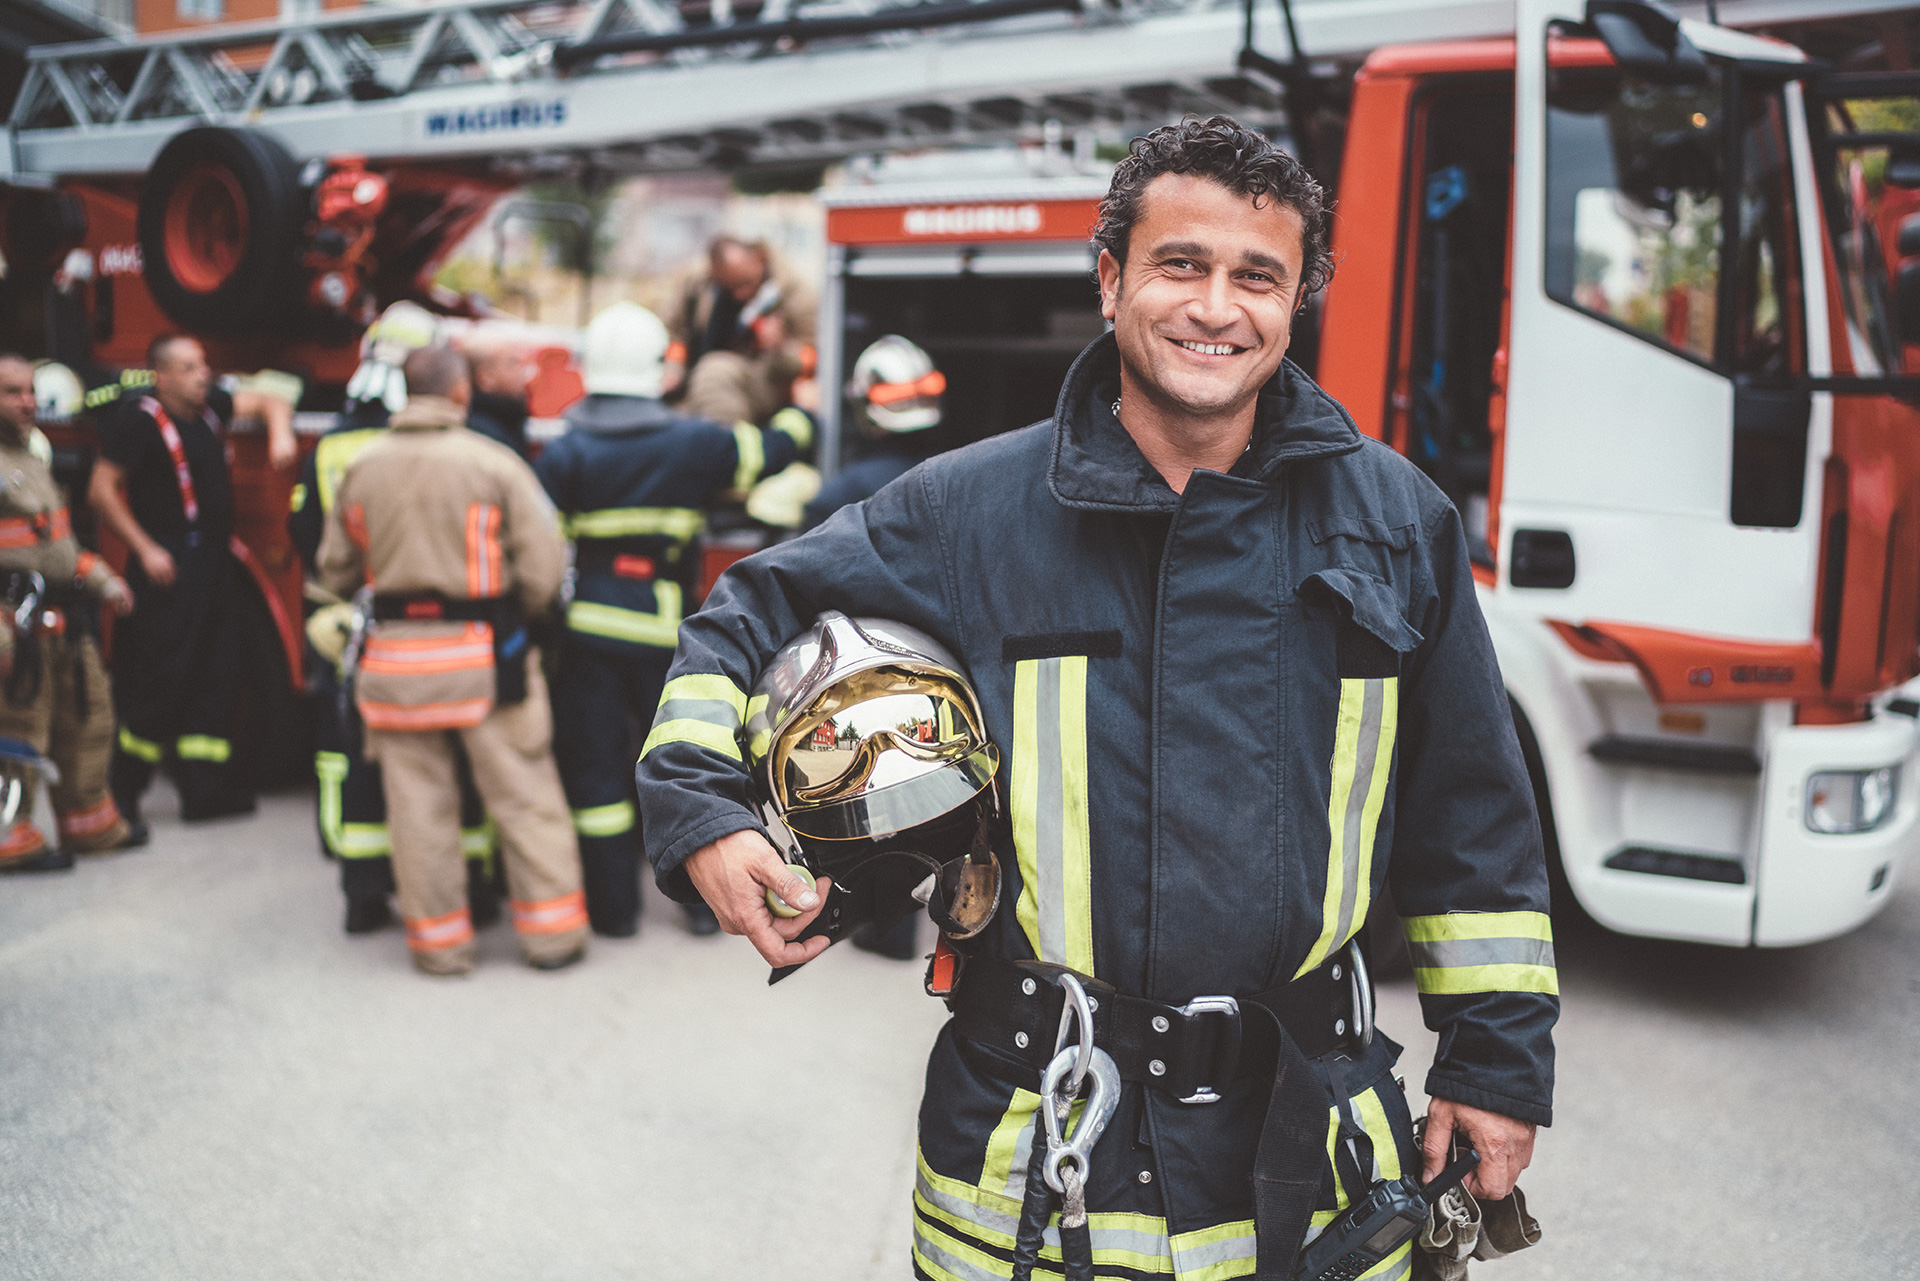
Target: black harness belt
{"x": 1192, "y": 1052}
{"x": 510, "y": 641}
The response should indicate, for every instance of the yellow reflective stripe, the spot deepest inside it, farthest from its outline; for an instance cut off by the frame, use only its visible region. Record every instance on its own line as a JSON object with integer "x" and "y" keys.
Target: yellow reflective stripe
{"x": 202, "y": 747}
{"x": 1215, "y": 1253}
{"x": 1362, "y": 760}
{"x": 1049, "y": 797}
{"x": 299, "y": 501}
{"x": 1478, "y": 925}
{"x": 333, "y": 455}
{"x": 1373, "y": 1119}
{"x": 1466, "y": 952}
{"x": 330, "y": 768}
{"x": 795, "y": 423}
{"x": 1467, "y": 979}
{"x": 681, "y": 523}
{"x": 364, "y": 840}
{"x": 759, "y": 732}
{"x": 478, "y": 842}
{"x": 140, "y": 747}
{"x": 963, "y": 1217}
{"x": 1004, "y": 1145}
{"x": 604, "y": 820}
{"x": 752, "y": 455}
{"x": 699, "y": 733}
{"x": 661, "y": 629}
{"x": 707, "y": 687}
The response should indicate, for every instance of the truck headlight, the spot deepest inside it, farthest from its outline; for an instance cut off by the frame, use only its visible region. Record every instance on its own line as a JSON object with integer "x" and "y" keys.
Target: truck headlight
{"x": 1848, "y": 801}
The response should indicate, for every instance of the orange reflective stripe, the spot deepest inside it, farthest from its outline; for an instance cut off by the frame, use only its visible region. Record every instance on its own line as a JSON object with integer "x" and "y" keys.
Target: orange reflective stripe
{"x": 18, "y": 531}
{"x": 84, "y": 565}
{"x": 23, "y": 840}
{"x": 92, "y": 820}
{"x": 461, "y": 714}
{"x": 483, "y": 550}
{"x": 931, "y": 384}
{"x": 62, "y": 524}
{"x": 551, "y": 916}
{"x": 430, "y": 655}
{"x": 434, "y": 933}
{"x": 676, "y": 353}
{"x": 355, "y": 518}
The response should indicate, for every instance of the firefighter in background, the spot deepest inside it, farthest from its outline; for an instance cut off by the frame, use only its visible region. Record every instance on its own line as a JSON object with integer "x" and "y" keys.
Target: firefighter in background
{"x": 176, "y": 655}
{"x": 501, "y": 373}
{"x": 352, "y": 809}
{"x": 742, "y": 334}
{"x": 898, "y": 392}
{"x": 631, "y": 477}
{"x": 55, "y": 695}
{"x": 461, "y": 548}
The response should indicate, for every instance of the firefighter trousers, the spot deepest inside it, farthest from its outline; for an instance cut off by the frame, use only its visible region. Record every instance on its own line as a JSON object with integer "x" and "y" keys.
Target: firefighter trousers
{"x": 511, "y": 753}
{"x": 352, "y": 809}
{"x": 59, "y": 701}
{"x": 601, "y": 691}
{"x": 175, "y": 660}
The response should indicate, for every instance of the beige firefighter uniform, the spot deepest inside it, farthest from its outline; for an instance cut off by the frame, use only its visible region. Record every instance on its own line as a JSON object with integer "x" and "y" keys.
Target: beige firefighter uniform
{"x": 458, "y": 541}
{"x": 742, "y": 366}
{"x": 56, "y": 695}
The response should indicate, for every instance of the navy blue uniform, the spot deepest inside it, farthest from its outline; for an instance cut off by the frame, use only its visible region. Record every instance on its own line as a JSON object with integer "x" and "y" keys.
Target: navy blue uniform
{"x": 1231, "y": 718}
{"x": 632, "y": 480}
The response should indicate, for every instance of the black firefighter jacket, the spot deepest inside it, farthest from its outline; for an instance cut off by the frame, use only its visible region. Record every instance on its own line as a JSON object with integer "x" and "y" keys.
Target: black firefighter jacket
{"x": 1230, "y": 720}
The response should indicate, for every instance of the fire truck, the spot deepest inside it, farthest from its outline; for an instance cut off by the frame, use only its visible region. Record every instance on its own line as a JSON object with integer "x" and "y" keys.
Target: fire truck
{"x": 1634, "y": 291}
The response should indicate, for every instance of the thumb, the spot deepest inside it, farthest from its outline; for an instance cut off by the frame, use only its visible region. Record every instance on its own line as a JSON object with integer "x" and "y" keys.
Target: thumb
{"x": 792, "y": 889}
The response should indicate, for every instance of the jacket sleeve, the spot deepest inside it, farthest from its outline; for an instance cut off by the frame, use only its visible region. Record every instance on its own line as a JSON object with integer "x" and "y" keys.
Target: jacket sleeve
{"x": 340, "y": 564}
{"x": 881, "y": 559}
{"x": 1467, "y": 869}
{"x": 555, "y": 472}
{"x": 755, "y": 453}
{"x": 536, "y": 550}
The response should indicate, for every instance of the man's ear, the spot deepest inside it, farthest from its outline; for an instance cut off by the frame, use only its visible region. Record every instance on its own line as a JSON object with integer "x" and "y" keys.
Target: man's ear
{"x": 1110, "y": 269}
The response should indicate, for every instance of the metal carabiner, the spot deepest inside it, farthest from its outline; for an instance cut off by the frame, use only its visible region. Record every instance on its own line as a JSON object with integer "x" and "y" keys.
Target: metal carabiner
{"x": 1077, "y": 1005}
{"x": 1361, "y": 985}
{"x": 1093, "y": 1117}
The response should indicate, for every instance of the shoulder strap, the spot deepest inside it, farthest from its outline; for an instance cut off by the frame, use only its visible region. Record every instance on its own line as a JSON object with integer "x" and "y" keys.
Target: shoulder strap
{"x": 177, "y": 450}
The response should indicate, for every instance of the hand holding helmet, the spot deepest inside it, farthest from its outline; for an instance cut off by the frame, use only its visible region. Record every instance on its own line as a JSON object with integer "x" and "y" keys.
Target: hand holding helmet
{"x": 734, "y": 874}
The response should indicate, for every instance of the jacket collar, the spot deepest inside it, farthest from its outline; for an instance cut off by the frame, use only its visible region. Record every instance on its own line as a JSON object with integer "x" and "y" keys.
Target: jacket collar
{"x": 1096, "y": 465}
{"x": 611, "y": 415}
{"x": 428, "y": 413}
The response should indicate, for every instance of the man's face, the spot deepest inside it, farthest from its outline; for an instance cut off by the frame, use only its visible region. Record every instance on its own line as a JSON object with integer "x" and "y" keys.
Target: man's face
{"x": 1203, "y": 309}
{"x": 182, "y": 374}
{"x": 17, "y": 405}
{"x": 739, "y": 271}
{"x": 500, "y": 371}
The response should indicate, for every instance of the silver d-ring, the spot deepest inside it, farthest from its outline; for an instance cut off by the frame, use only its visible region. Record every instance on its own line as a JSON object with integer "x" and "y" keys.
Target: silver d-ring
{"x": 1075, "y": 1006}
{"x": 1361, "y": 985}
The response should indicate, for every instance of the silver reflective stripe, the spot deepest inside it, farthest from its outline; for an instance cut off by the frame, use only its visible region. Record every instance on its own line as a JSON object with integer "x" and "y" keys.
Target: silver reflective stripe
{"x": 1210, "y": 1254}
{"x": 1131, "y": 1240}
{"x": 1047, "y": 815}
{"x": 1398, "y": 1270}
{"x": 1366, "y": 749}
{"x": 961, "y": 1208}
{"x": 1455, "y": 953}
{"x": 711, "y": 710}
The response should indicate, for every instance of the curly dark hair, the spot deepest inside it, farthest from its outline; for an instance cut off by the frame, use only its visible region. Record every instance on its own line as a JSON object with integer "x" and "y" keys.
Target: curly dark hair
{"x": 1239, "y": 159}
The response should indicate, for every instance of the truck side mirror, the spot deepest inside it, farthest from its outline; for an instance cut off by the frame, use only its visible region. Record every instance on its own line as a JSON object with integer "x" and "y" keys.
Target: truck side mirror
{"x": 1906, "y": 302}
{"x": 1645, "y": 38}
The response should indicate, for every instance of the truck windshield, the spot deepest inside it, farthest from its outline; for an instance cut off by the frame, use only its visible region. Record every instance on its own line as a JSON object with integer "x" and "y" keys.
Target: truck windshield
{"x": 1638, "y": 177}
{"x": 1867, "y": 213}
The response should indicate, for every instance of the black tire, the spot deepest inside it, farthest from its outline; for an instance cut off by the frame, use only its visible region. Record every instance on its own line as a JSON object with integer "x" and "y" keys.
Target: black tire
{"x": 205, "y": 182}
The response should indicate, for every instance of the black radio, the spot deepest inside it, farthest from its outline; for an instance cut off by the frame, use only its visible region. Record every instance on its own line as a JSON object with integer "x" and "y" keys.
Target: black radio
{"x": 1392, "y": 1212}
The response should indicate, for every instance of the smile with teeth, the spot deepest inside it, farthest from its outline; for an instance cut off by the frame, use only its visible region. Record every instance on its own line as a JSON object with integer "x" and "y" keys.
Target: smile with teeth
{"x": 1208, "y": 348}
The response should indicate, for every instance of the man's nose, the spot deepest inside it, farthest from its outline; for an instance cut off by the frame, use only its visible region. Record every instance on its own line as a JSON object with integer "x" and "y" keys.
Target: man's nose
{"x": 1212, "y": 305}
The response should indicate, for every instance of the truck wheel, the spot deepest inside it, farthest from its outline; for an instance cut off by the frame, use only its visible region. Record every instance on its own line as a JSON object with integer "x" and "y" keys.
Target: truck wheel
{"x": 220, "y": 223}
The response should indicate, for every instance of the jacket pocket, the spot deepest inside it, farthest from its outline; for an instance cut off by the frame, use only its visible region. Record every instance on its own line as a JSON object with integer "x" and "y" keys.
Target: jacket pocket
{"x": 426, "y": 677}
{"x": 1371, "y": 638}
{"x": 1361, "y": 529}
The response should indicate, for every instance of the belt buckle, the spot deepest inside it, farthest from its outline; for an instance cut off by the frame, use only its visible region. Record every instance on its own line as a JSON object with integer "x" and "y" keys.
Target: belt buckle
{"x": 1229, "y": 1008}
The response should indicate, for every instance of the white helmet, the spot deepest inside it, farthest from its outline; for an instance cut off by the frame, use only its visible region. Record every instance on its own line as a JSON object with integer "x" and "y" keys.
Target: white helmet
{"x": 402, "y": 329}
{"x": 624, "y": 353}
{"x": 898, "y": 384}
{"x": 57, "y": 392}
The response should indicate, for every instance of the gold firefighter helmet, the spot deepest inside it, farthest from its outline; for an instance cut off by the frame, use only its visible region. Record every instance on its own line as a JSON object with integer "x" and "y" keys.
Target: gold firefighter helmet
{"x": 867, "y": 742}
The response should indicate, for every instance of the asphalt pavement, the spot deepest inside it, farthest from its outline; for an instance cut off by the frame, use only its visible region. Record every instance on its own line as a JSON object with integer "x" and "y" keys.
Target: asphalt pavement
{"x": 202, "y": 1078}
